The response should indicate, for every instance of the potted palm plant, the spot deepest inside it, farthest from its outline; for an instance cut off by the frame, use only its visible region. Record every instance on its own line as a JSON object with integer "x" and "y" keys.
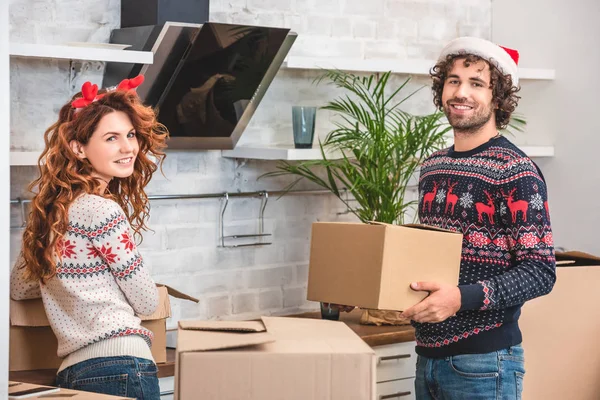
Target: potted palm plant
{"x": 379, "y": 147}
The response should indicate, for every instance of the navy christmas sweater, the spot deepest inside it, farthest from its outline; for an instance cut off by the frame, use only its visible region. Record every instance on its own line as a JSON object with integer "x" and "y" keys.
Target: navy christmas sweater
{"x": 496, "y": 197}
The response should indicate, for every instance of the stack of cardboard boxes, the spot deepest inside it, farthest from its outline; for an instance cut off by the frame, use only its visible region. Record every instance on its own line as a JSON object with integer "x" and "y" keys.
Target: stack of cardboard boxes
{"x": 365, "y": 265}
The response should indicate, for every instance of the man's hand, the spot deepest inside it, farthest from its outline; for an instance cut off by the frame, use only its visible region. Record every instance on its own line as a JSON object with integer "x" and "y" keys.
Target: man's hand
{"x": 442, "y": 303}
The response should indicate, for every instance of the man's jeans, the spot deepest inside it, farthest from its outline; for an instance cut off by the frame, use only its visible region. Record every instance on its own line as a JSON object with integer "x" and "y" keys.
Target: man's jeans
{"x": 117, "y": 376}
{"x": 497, "y": 375}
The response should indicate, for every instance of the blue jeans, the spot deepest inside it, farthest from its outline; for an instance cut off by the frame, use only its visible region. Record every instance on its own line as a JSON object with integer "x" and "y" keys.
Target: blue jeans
{"x": 117, "y": 376}
{"x": 497, "y": 375}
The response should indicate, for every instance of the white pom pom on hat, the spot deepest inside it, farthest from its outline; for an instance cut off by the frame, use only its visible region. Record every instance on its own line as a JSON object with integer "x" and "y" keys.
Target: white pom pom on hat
{"x": 504, "y": 58}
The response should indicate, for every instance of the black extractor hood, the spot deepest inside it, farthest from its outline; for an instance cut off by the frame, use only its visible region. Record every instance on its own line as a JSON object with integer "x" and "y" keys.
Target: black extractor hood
{"x": 206, "y": 80}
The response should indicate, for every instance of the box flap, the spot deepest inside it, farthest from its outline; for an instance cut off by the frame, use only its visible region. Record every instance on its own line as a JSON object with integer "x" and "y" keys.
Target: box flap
{"x": 193, "y": 336}
{"x": 28, "y": 313}
{"x": 224, "y": 326}
{"x": 164, "y": 305}
{"x": 430, "y": 228}
{"x": 415, "y": 226}
{"x": 313, "y": 336}
{"x": 577, "y": 258}
{"x": 176, "y": 293}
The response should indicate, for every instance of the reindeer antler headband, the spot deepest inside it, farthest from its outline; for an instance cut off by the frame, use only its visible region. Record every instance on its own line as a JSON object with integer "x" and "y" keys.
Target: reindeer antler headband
{"x": 90, "y": 92}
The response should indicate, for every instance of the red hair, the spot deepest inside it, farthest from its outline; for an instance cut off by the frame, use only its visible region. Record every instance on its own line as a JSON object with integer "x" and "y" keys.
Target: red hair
{"x": 63, "y": 176}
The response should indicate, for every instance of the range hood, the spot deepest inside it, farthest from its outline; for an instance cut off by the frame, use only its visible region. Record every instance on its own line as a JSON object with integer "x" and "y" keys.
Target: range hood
{"x": 206, "y": 80}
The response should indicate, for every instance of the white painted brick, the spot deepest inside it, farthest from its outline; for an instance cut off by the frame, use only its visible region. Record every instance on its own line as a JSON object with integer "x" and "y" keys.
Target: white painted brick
{"x": 298, "y": 251}
{"x": 406, "y": 28}
{"x": 364, "y": 29}
{"x": 269, "y": 277}
{"x": 317, "y": 25}
{"x": 188, "y": 162}
{"x": 413, "y": 10}
{"x": 301, "y": 274}
{"x": 230, "y": 258}
{"x": 218, "y": 306}
{"x": 154, "y": 239}
{"x": 245, "y": 303}
{"x": 341, "y": 27}
{"x": 386, "y": 29}
{"x": 329, "y": 7}
{"x": 270, "y": 5}
{"x": 275, "y": 20}
{"x": 220, "y": 16}
{"x": 179, "y": 237}
{"x": 244, "y": 17}
{"x": 294, "y": 296}
{"x": 434, "y": 29}
{"x": 319, "y": 47}
{"x": 364, "y": 8}
{"x": 188, "y": 309}
{"x": 23, "y": 11}
{"x": 385, "y": 50}
{"x": 474, "y": 30}
{"x": 293, "y": 22}
{"x": 270, "y": 299}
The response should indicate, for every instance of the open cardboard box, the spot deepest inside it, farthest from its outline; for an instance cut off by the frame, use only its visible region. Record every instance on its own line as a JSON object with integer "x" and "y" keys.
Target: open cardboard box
{"x": 561, "y": 331}
{"x": 33, "y": 344}
{"x": 372, "y": 265}
{"x": 274, "y": 358}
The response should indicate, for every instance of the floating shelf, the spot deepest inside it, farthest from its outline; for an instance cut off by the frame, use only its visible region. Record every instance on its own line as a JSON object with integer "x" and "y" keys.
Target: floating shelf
{"x": 277, "y": 153}
{"x": 412, "y": 67}
{"x": 290, "y": 154}
{"x": 80, "y": 53}
{"x": 258, "y": 152}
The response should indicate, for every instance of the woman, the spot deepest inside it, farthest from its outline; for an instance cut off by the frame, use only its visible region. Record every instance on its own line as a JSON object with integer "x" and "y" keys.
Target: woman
{"x": 78, "y": 251}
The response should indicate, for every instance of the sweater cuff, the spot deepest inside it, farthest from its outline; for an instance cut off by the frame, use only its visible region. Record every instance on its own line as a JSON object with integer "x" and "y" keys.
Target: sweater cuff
{"x": 471, "y": 297}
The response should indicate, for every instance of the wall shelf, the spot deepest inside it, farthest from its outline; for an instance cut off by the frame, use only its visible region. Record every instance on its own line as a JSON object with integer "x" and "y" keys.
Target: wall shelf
{"x": 258, "y": 152}
{"x": 412, "y": 67}
{"x": 89, "y": 53}
{"x": 274, "y": 152}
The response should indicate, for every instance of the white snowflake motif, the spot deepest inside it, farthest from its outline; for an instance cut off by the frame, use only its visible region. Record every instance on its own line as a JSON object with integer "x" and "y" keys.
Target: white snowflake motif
{"x": 466, "y": 200}
{"x": 536, "y": 202}
{"x": 441, "y": 196}
{"x": 502, "y": 209}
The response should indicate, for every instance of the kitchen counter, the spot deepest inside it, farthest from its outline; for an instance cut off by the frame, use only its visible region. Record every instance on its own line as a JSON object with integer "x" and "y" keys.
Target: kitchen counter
{"x": 372, "y": 335}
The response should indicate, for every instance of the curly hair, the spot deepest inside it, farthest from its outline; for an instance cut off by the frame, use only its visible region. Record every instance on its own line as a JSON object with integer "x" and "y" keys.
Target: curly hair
{"x": 63, "y": 176}
{"x": 504, "y": 93}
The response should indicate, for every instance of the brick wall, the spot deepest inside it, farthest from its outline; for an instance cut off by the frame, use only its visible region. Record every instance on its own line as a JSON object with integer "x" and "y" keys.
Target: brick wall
{"x": 182, "y": 251}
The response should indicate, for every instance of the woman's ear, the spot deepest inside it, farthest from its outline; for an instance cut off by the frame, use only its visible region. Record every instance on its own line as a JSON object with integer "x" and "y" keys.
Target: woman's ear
{"x": 77, "y": 148}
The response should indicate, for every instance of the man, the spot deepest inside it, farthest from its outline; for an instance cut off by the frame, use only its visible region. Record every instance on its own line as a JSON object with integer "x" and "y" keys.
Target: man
{"x": 468, "y": 338}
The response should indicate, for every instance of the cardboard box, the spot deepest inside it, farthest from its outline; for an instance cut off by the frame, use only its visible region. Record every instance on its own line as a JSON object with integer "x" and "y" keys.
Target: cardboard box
{"x": 33, "y": 344}
{"x": 561, "y": 331}
{"x": 275, "y": 358}
{"x": 373, "y": 265}
{"x": 14, "y": 387}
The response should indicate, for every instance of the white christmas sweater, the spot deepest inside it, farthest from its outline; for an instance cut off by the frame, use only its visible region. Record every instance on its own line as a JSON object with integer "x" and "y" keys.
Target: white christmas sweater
{"x": 100, "y": 285}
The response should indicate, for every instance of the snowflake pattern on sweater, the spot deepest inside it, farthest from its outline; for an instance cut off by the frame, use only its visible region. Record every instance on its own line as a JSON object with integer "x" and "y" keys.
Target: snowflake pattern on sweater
{"x": 496, "y": 197}
{"x": 101, "y": 283}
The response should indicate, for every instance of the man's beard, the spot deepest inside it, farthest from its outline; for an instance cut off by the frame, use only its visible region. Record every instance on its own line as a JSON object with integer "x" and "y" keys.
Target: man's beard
{"x": 468, "y": 125}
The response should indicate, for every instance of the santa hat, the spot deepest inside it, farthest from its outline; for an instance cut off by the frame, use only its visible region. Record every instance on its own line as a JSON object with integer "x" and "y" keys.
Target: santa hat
{"x": 504, "y": 58}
